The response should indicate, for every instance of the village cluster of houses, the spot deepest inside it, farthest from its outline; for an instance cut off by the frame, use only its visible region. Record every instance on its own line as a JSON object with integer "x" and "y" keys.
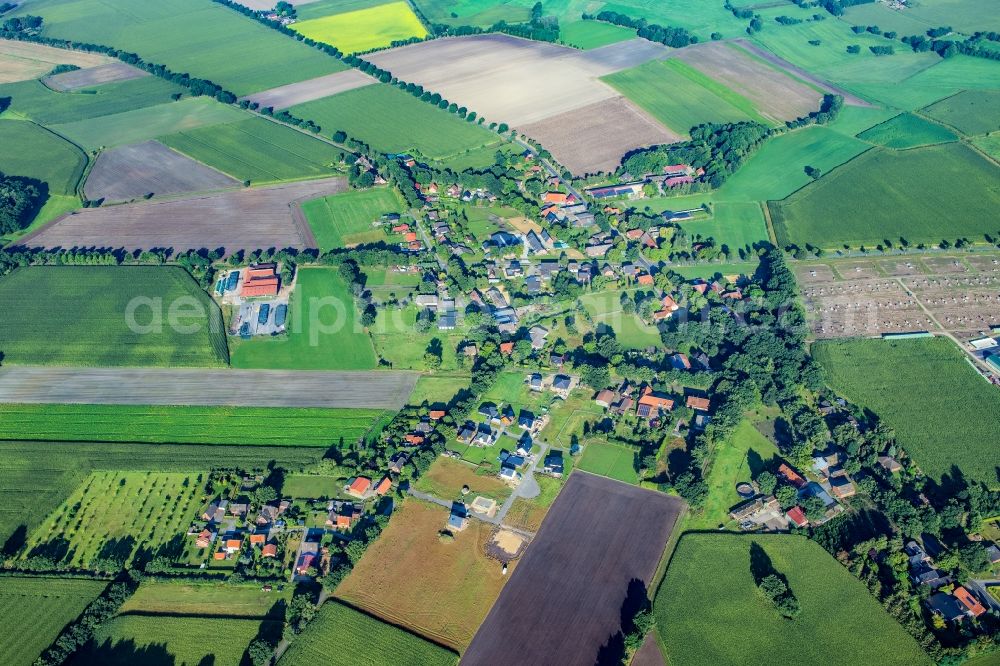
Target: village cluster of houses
{"x": 760, "y": 512}
{"x": 671, "y": 177}
{"x": 219, "y": 527}
{"x": 649, "y": 404}
{"x": 952, "y": 603}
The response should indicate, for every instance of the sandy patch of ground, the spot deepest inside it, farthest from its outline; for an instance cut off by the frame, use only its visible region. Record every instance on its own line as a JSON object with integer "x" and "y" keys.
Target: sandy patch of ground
{"x": 94, "y": 76}
{"x": 509, "y": 542}
{"x": 283, "y": 97}
{"x": 23, "y": 61}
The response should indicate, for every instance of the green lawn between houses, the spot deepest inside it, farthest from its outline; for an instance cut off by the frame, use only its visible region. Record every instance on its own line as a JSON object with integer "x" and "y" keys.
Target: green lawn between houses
{"x": 612, "y": 460}
{"x": 708, "y": 609}
{"x": 346, "y": 218}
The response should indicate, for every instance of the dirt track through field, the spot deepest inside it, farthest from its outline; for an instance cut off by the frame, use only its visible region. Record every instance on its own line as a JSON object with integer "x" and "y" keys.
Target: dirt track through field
{"x": 307, "y": 91}
{"x": 205, "y": 387}
{"x": 248, "y": 219}
{"x": 93, "y": 76}
{"x": 564, "y": 600}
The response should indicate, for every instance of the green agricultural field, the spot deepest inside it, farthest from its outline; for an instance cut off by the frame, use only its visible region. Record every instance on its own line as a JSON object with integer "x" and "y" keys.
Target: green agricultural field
{"x": 707, "y": 271}
{"x": 112, "y": 514}
{"x": 942, "y": 78}
{"x": 191, "y": 597}
{"x": 31, "y": 99}
{"x": 397, "y": 340}
{"x": 152, "y": 639}
{"x": 258, "y": 150}
{"x": 735, "y": 623}
{"x": 79, "y": 315}
{"x": 34, "y": 152}
{"x": 970, "y": 111}
{"x": 610, "y": 460}
{"x": 848, "y": 206}
{"x": 40, "y": 608}
{"x": 289, "y": 426}
{"x": 324, "y": 331}
{"x": 342, "y": 636}
{"x": 908, "y": 131}
{"x": 204, "y": 39}
{"x": 989, "y": 145}
{"x": 346, "y": 219}
{"x": 922, "y": 388}
{"x": 592, "y": 34}
{"x": 438, "y": 389}
{"x": 733, "y": 225}
{"x": 39, "y": 476}
{"x": 679, "y": 96}
{"x": 965, "y": 15}
{"x": 701, "y": 18}
{"x": 118, "y": 129}
{"x": 391, "y": 120}
{"x": 364, "y": 29}
{"x": 778, "y": 168}
{"x": 474, "y": 12}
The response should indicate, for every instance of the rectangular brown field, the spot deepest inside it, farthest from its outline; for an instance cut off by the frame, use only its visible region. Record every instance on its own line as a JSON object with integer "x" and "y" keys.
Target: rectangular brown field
{"x": 775, "y": 94}
{"x": 248, "y": 219}
{"x": 94, "y": 76}
{"x": 857, "y": 269}
{"x": 283, "y": 97}
{"x": 940, "y": 265}
{"x": 900, "y": 267}
{"x": 140, "y": 169}
{"x": 814, "y": 274}
{"x": 595, "y": 137}
{"x": 564, "y": 600}
{"x": 23, "y": 61}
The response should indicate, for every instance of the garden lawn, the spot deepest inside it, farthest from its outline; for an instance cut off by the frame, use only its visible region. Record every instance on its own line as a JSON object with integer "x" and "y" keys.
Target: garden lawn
{"x": 841, "y": 624}
{"x": 908, "y": 131}
{"x": 592, "y": 34}
{"x": 438, "y": 389}
{"x": 398, "y": 341}
{"x": 970, "y": 111}
{"x": 848, "y": 206}
{"x": 324, "y": 332}
{"x": 311, "y": 486}
{"x": 258, "y": 150}
{"x": 391, "y": 120}
{"x": 605, "y": 309}
{"x": 185, "y": 424}
{"x": 611, "y": 460}
{"x": 364, "y": 29}
{"x": 39, "y": 608}
{"x": 943, "y": 411}
{"x": 346, "y": 219}
{"x": 79, "y": 315}
{"x": 342, "y": 636}
{"x": 31, "y": 151}
{"x": 30, "y": 99}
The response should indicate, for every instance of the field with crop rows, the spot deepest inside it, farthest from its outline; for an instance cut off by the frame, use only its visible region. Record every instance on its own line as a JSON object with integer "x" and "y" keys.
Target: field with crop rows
{"x": 391, "y": 120}
{"x": 970, "y": 111}
{"x": 112, "y": 514}
{"x": 907, "y": 131}
{"x": 922, "y": 388}
{"x": 34, "y": 152}
{"x": 346, "y": 219}
{"x": 735, "y": 623}
{"x": 342, "y": 636}
{"x": 103, "y": 315}
{"x": 39, "y": 608}
{"x": 257, "y": 150}
{"x": 848, "y": 206}
{"x": 32, "y": 100}
{"x": 364, "y": 29}
{"x": 185, "y": 424}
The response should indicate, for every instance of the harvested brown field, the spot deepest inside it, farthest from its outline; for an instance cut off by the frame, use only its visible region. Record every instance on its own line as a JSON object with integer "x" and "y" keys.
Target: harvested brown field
{"x": 140, "y": 169}
{"x": 23, "y": 61}
{"x": 411, "y": 578}
{"x": 205, "y": 387}
{"x": 774, "y": 94}
{"x": 112, "y": 72}
{"x": 283, "y": 97}
{"x": 247, "y": 219}
{"x": 564, "y": 601}
{"x": 594, "y": 138}
{"x": 537, "y": 87}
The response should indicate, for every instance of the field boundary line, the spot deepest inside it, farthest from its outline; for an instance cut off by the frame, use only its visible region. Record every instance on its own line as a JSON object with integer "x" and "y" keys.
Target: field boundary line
{"x": 392, "y": 623}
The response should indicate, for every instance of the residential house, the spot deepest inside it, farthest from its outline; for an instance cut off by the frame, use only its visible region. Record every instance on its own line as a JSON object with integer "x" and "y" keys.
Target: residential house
{"x": 698, "y": 403}
{"x": 554, "y": 463}
{"x": 490, "y": 411}
{"x": 535, "y": 381}
{"x": 485, "y": 436}
{"x": 437, "y": 414}
{"x": 842, "y": 487}
{"x": 429, "y": 301}
{"x": 561, "y": 384}
{"x": 526, "y": 420}
{"x": 258, "y": 539}
{"x": 533, "y": 284}
{"x": 467, "y": 432}
{"x": 645, "y": 279}
{"x": 260, "y": 280}
{"x": 791, "y": 476}
{"x": 384, "y": 486}
{"x": 232, "y": 545}
{"x": 359, "y": 487}
{"x": 397, "y": 462}
{"x": 668, "y": 306}
{"x": 506, "y": 348}
{"x": 538, "y": 335}
{"x": 269, "y": 550}
{"x": 458, "y": 519}
{"x": 680, "y": 362}
{"x": 652, "y": 403}
{"x": 797, "y": 516}
{"x": 239, "y": 508}
{"x": 946, "y": 606}
{"x": 205, "y": 539}
{"x": 890, "y": 464}
{"x": 524, "y": 445}
{"x": 973, "y": 608}
{"x": 605, "y": 398}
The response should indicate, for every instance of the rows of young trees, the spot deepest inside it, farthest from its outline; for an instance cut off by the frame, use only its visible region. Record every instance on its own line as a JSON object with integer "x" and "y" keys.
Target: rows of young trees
{"x": 669, "y": 35}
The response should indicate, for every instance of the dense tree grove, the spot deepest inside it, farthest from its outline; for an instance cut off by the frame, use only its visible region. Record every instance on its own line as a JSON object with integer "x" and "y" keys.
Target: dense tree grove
{"x": 668, "y": 35}
{"x": 20, "y": 199}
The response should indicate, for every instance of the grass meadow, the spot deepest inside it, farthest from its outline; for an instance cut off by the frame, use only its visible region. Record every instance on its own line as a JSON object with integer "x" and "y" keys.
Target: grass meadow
{"x": 735, "y": 623}
{"x": 40, "y": 608}
{"x": 605, "y": 308}
{"x": 907, "y": 131}
{"x": 343, "y": 636}
{"x": 32, "y": 151}
{"x": 971, "y": 112}
{"x": 397, "y": 341}
{"x": 612, "y": 460}
{"x": 391, "y": 120}
{"x": 912, "y": 90}
{"x": 446, "y": 477}
{"x": 437, "y": 389}
{"x": 192, "y": 597}
{"x": 734, "y": 225}
{"x": 592, "y": 34}
{"x": 205, "y": 39}
{"x": 257, "y": 150}
{"x": 701, "y": 18}
{"x": 848, "y": 206}
{"x": 364, "y": 29}
{"x": 922, "y": 388}
{"x": 474, "y": 12}
{"x": 31, "y": 99}
{"x": 77, "y": 315}
{"x": 324, "y": 332}
{"x": 346, "y": 219}
{"x": 989, "y": 145}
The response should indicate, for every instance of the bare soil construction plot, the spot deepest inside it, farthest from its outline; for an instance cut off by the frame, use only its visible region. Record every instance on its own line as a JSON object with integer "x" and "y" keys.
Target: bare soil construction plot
{"x": 93, "y": 76}
{"x": 248, "y": 219}
{"x": 283, "y": 97}
{"x": 205, "y": 387}
{"x": 564, "y": 601}
{"x": 23, "y": 61}
{"x": 775, "y": 94}
{"x": 593, "y": 138}
{"x": 130, "y": 172}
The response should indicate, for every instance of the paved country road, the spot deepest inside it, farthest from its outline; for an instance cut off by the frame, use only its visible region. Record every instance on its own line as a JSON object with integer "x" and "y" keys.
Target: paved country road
{"x": 205, "y": 387}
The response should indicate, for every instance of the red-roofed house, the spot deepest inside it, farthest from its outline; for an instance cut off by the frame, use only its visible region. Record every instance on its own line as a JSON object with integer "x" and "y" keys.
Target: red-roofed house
{"x": 219, "y": 555}
{"x": 668, "y": 306}
{"x": 204, "y": 539}
{"x": 260, "y": 280}
{"x": 305, "y": 562}
{"x": 698, "y": 403}
{"x": 233, "y": 545}
{"x": 701, "y": 288}
{"x": 437, "y": 414}
{"x": 969, "y": 602}
{"x": 674, "y": 181}
{"x": 401, "y": 228}
{"x": 384, "y": 486}
{"x": 557, "y": 198}
{"x": 359, "y": 487}
{"x": 633, "y": 234}
{"x": 506, "y": 348}
{"x": 652, "y": 403}
{"x": 414, "y": 439}
{"x": 645, "y": 279}
{"x": 269, "y": 550}
{"x": 258, "y": 539}
{"x": 797, "y": 516}
{"x": 791, "y": 475}
{"x": 410, "y": 237}
{"x": 678, "y": 170}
